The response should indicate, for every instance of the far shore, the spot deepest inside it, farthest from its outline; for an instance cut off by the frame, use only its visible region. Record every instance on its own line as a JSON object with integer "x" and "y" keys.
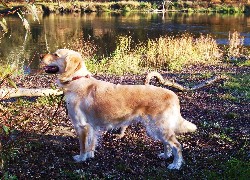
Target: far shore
{"x": 128, "y": 6}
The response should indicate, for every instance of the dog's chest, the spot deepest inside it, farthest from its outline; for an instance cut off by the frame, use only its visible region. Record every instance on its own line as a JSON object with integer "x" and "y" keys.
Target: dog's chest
{"x": 77, "y": 102}
{"x": 70, "y": 97}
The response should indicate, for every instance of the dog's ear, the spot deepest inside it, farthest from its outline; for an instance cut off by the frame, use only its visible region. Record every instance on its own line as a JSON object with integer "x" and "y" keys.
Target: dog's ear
{"x": 72, "y": 64}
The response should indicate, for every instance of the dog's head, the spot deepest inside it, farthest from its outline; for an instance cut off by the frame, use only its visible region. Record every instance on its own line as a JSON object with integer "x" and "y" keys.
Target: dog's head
{"x": 67, "y": 63}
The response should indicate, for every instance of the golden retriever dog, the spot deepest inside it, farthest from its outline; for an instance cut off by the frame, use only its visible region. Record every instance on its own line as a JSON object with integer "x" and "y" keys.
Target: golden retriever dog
{"x": 95, "y": 105}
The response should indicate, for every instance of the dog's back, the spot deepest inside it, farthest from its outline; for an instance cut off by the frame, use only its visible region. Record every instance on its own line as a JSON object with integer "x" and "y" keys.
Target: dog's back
{"x": 107, "y": 103}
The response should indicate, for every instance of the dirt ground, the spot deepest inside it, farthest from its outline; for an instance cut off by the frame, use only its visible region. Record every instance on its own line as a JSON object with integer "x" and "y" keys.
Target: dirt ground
{"x": 43, "y": 142}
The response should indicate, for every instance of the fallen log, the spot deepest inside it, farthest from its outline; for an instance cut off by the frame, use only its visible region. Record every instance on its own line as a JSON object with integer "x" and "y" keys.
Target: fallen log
{"x": 6, "y": 93}
{"x": 178, "y": 86}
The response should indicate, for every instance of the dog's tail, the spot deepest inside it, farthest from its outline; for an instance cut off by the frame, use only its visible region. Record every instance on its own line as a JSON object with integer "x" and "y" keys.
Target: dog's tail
{"x": 186, "y": 126}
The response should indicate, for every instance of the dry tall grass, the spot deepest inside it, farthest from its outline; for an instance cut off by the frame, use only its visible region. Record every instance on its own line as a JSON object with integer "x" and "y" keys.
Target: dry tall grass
{"x": 123, "y": 60}
{"x": 235, "y": 49}
{"x": 169, "y": 52}
{"x": 174, "y": 53}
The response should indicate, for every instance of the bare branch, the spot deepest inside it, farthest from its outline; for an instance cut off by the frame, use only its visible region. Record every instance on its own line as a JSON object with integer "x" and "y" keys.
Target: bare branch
{"x": 6, "y": 93}
{"x": 178, "y": 86}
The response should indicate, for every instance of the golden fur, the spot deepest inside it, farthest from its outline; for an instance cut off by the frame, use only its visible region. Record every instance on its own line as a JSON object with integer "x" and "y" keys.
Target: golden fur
{"x": 95, "y": 105}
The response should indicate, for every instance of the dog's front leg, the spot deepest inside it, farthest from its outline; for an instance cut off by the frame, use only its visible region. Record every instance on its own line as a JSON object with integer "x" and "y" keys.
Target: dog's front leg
{"x": 122, "y": 132}
{"x": 87, "y": 140}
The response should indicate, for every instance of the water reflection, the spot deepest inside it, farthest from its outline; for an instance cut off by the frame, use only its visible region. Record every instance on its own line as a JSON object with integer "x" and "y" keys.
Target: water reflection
{"x": 58, "y": 31}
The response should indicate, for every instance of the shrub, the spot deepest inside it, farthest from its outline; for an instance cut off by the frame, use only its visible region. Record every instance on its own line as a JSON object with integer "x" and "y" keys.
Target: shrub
{"x": 123, "y": 60}
{"x": 174, "y": 53}
{"x": 169, "y": 52}
{"x": 235, "y": 48}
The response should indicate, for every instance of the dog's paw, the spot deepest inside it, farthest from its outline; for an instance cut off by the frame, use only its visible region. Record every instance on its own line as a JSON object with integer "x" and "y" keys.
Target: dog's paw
{"x": 162, "y": 155}
{"x": 176, "y": 166}
{"x": 80, "y": 158}
{"x": 119, "y": 136}
{"x": 165, "y": 156}
{"x": 90, "y": 154}
{"x": 84, "y": 157}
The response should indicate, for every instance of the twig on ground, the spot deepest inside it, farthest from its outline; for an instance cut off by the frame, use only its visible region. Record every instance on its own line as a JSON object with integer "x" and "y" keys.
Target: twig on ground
{"x": 179, "y": 86}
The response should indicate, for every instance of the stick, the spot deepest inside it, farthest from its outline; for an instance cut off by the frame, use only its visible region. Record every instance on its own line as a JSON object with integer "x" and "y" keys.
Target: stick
{"x": 6, "y": 93}
{"x": 178, "y": 86}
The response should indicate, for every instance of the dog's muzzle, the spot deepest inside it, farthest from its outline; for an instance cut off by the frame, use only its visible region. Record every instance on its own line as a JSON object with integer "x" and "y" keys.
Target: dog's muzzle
{"x": 51, "y": 69}
{"x": 47, "y": 59}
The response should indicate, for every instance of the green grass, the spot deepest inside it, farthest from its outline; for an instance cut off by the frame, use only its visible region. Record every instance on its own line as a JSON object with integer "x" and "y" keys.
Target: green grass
{"x": 221, "y": 137}
{"x": 48, "y": 100}
{"x": 238, "y": 86}
{"x": 8, "y": 70}
{"x": 8, "y": 176}
{"x": 242, "y": 63}
{"x": 77, "y": 174}
{"x": 232, "y": 169}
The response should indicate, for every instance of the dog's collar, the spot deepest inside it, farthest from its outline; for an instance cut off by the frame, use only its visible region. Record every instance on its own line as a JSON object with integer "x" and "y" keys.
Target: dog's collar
{"x": 76, "y": 78}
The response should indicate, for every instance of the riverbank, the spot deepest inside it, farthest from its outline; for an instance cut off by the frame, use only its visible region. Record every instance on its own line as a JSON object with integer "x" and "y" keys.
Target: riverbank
{"x": 127, "y": 6}
{"x": 38, "y": 140}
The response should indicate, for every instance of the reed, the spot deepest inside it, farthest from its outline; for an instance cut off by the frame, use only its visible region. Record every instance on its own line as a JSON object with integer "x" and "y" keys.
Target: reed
{"x": 168, "y": 52}
{"x": 123, "y": 60}
{"x": 235, "y": 48}
{"x": 174, "y": 53}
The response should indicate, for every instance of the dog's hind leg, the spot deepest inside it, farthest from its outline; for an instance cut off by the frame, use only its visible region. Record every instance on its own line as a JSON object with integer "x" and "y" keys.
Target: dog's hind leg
{"x": 167, "y": 152}
{"x": 171, "y": 145}
{"x": 176, "y": 149}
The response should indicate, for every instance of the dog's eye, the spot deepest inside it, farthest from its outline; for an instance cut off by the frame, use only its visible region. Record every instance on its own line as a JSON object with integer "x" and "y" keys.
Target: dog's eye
{"x": 56, "y": 55}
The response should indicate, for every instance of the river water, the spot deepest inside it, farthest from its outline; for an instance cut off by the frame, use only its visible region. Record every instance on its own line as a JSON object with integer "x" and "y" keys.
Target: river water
{"x": 62, "y": 30}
